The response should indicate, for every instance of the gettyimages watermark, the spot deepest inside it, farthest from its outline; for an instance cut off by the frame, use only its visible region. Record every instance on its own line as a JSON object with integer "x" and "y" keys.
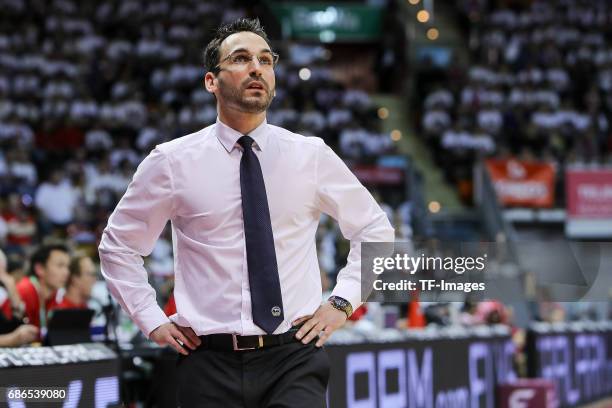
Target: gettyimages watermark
{"x": 412, "y": 264}
{"x": 457, "y": 271}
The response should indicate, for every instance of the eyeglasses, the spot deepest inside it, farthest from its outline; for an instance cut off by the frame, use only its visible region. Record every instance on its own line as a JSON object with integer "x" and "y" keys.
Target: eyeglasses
{"x": 243, "y": 58}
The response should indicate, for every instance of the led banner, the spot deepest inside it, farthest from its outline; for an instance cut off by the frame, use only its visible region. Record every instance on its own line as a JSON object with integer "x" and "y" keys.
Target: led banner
{"x": 79, "y": 376}
{"x": 589, "y": 203}
{"x": 35, "y": 356}
{"x": 434, "y": 372}
{"x": 522, "y": 183}
{"x": 576, "y": 357}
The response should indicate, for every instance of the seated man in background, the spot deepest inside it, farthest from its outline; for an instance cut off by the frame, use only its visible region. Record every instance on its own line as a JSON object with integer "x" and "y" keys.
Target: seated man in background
{"x": 12, "y": 332}
{"x": 23, "y": 334}
{"x": 48, "y": 273}
{"x": 11, "y": 305}
{"x": 80, "y": 282}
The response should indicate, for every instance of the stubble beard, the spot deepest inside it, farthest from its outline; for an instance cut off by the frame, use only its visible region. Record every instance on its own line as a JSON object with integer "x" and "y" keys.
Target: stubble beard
{"x": 237, "y": 97}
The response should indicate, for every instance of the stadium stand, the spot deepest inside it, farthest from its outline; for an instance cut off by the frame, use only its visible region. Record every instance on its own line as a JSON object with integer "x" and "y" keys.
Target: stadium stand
{"x": 538, "y": 88}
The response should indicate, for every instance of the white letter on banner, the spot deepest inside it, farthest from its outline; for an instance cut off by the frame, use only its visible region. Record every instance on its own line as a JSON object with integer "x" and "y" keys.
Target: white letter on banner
{"x": 420, "y": 387}
{"x": 544, "y": 346}
{"x": 563, "y": 371}
{"x": 107, "y": 391}
{"x": 389, "y": 360}
{"x": 503, "y": 356}
{"x": 519, "y": 398}
{"x": 74, "y": 394}
{"x": 599, "y": 362}
{"x": 13, "y": 403}
{"x": 509, "y": 359}
{"x": 480, "y": 385}
{"x": 360, "y": 363}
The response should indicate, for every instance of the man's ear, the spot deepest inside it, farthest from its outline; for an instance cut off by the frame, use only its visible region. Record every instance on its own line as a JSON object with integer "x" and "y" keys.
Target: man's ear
{"x": 38, "y": 270}
{"x": 210, "y": 82}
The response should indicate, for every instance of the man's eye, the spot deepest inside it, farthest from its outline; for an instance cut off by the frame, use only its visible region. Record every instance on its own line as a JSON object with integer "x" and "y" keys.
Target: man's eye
{"x": 241, "y": 58}
{"x": 265, "y": 61}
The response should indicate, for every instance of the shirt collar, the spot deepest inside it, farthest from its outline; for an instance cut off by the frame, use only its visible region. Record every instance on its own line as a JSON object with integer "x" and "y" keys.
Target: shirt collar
{"x": 229, "y": 137}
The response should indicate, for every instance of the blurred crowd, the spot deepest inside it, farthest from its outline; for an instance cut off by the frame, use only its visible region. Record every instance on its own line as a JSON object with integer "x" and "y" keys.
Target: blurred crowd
{"x": 87, "y": 89}
{"x": 55, "y": 279}
{"x": 539, "y": 87}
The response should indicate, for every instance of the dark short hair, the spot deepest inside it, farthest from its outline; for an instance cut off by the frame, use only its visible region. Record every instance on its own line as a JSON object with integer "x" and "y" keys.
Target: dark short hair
{"x": 43, "y": 253}
{"x": 211, "y": 53}
{"x": 15, "y": 262}
{"x": 75, "y": 266}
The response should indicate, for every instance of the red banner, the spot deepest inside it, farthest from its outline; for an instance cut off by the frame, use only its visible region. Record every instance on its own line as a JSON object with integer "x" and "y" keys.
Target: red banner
{"x": 589, "y": 193}
{"x": 527, "y": 393}
{"x": 379, "y": 175}
{"x": 521, "y": 183}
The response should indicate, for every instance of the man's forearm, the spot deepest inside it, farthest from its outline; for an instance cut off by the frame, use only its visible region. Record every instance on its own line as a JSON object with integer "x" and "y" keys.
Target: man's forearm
{"x": 127, "y": 281}
{"x": 349, "y": 281}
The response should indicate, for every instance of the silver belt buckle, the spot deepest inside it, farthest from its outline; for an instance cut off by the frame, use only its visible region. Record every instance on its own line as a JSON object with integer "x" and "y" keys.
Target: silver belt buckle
{"x": 235, "y": 343}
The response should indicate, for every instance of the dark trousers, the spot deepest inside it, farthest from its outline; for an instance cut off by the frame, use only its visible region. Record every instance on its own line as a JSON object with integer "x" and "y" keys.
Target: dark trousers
{"x": 292, "y": 375}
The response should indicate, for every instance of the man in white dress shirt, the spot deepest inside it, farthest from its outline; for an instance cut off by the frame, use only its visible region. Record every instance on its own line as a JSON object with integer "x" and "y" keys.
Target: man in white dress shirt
{"x": 244, "y": 199}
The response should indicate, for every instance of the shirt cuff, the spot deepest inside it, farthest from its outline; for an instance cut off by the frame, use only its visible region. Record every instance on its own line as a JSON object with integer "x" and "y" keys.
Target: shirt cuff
{"x": 350, "y": 291}
{"x": 150, "y": 319}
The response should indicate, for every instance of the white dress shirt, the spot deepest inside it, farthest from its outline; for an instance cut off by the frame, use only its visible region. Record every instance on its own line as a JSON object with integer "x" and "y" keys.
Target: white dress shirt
{"x": 194, "y": 181}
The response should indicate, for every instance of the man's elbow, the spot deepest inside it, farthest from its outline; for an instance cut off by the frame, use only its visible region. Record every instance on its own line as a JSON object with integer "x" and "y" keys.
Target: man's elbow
{"x": 108, "y": 246}
{"x": 389, "y": 232}
{"x": 381, "y": 229}
{"x": 102, "y": 246}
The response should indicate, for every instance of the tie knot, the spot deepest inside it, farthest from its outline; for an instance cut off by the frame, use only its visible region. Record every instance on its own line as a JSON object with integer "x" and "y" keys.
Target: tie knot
{"x": 246, "y": 142}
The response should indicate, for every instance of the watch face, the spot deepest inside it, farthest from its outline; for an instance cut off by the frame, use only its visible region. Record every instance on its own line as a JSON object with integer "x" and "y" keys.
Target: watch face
{"x": 340, "y": 304}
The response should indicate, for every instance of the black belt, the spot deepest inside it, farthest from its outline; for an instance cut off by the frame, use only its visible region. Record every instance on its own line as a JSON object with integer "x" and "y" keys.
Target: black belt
{"x": 234, "y": 342}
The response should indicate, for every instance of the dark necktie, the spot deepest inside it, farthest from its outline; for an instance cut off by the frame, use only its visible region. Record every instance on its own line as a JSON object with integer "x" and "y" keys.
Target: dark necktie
{"x": 266, "y": 298}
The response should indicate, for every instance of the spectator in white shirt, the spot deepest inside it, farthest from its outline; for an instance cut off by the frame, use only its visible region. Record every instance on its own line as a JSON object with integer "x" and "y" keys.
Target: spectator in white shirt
{"x": 103, "y": 179}
{"x": 98, "y": 138}
{"x": 458, "y": 140}
{"x": 352, "y": 141}
{"x": 545, "y": 118}
{"x": 17, "y": 132}
{"x": 148, "y": 137}
{"x": 356, "y": 99}
{"x": 435, "y": 121}
{"x": 83, "y": 111}
{"x": 313, "y": 119}
{"x": 338, "y": 117}
{"x": 56, "y": 199}
{"x": 490, "y": 119}
{"x": 21, "y": 168}
{"x": 558, "y": 77}
{"x": 123, "y": 151}
{"x": 442, "y": 97}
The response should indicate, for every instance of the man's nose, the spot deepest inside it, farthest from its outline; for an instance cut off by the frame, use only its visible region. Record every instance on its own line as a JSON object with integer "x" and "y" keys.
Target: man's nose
{"x": 255, "y": 67}
{"x": 255, "y": 70}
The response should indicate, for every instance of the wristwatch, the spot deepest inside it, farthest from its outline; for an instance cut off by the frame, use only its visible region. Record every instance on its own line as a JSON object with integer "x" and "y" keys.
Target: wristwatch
{"x": 341, "y": 304}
